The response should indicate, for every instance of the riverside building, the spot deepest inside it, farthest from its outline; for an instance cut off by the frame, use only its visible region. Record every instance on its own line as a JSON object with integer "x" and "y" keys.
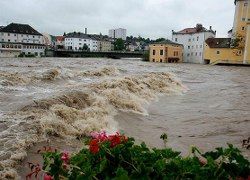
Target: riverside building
{"x": 236, "y": 48}
{"x": 76, "y": 41}
{"x": 16, "y": 39}
{"x": 193, "y": 40}
{"x": 166, "y": 52}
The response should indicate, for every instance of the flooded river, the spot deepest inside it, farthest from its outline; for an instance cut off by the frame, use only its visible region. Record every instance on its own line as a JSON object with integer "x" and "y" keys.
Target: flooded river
{"x": 62, "y": 99}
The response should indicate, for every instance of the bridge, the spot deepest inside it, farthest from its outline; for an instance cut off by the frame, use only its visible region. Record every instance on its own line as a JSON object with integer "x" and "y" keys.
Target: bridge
{"x": 109, "y": 54}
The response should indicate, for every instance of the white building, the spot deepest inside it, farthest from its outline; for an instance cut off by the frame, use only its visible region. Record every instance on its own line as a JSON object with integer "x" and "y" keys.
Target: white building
{"x": 20, "y": 38}
{"x": 76, "y": 41}
{"x": 119, "y": 33}
{"x": 193, "y": 40}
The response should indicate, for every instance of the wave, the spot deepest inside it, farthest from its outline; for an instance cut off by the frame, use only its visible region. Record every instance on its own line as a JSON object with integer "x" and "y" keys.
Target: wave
{"x": 77, "y": 113}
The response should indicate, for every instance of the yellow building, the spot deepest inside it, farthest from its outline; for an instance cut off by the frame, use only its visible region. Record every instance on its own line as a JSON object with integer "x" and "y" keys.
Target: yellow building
{"x": 166, "y": 51}
{"x": 235, "y": 50}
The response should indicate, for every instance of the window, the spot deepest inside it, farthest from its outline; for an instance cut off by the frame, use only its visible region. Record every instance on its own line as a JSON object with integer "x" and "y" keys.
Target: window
{"x": 198, "y": 38}
{"x": 218, "y": 52}
{"x": 8, "y": 34}
{"x": 153, "y": 60}
{"x": 197, "y": 46}
{"x": 33, "y": 36}
{"x": 14, "y": 34}
{"x": 243, "y": 28}
{"x": 161, "y": 52}
{"x": 175, "y": 53}
{"x": 243, "y": 19}
{"x": 193, "y": 39}
{"x": 189, "y": 40}
{"x": 153, "y": 52}
{"x": 245, "y": 4}
{"x": 8, "y": 40}
{"x": 36, "y": 54}
{"x": 196, "y": 54}
{"x": 188, "y": 54}
{"x": 192, "y": 54}
{"x": 200, "y": 46}
{"x": 3, "y": 40}
{"x": 200, "y": 53}
{"x": 176, "y": 39}
{"x": 21, "y": 35}
{"x": 160, "y": 60}
{"x": 192, "y": 47}
{"x": 188, "y": 47}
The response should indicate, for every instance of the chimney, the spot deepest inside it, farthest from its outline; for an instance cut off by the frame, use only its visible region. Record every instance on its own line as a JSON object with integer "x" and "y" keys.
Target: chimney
{"x": 86, "y": 30}
{"x": 210, "y": 27}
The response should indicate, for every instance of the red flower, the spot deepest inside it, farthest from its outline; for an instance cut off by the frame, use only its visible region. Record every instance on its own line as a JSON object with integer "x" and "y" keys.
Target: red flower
{"x": 94, "y": 146}
{"x": 65, "y": 157}
{"x": 47, "y": 177}
{"x": 115, "y": 140}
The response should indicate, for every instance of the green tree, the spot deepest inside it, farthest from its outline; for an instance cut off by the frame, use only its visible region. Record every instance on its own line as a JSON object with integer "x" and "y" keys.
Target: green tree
{"x": 160, "y": 39}
{"x": 119, "y": 45}
{"x": 85, "y": 47}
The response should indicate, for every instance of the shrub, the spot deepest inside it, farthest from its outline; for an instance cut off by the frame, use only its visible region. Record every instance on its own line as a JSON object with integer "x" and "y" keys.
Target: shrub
{"x": 118, "y": 157}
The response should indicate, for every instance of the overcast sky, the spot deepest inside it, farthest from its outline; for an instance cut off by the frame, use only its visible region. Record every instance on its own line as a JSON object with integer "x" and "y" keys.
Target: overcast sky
{"x": 147, "y": 18}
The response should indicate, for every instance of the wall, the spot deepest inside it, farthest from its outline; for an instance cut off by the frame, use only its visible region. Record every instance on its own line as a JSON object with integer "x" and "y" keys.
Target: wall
{"x": 193, "y": 47}
{"x": 226, "y": 54}
{"x": 77, "y": 43}
{"x": 247, "y": 47}
{"x": 168, "y": 52}
{"x": 10, "y": 40}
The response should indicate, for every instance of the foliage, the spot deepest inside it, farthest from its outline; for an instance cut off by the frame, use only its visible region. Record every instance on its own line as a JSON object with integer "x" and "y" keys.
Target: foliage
{"x": 85, "y": 48}
{"x": 118, "y": 157}
{"x": 160, "y": 39}
{"x": 26, "y": 55}
{"x": 145, "y": 56}
{"x": 238, "y": 42}
{"x": 119, "y": 45}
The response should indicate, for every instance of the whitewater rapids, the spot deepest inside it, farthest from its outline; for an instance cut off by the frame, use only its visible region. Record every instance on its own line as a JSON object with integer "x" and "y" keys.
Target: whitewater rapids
{"x": 68, "y": 102}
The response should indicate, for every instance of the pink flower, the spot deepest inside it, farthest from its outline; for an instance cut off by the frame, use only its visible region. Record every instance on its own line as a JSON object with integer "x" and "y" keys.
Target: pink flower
{"x": 65, "y": 157}
{"x": 102, "y": 136}
{"x": 47, "y": 177}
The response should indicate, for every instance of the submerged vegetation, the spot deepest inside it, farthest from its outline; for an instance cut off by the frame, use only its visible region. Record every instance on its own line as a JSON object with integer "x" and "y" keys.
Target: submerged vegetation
{"x": 118, "y": 157}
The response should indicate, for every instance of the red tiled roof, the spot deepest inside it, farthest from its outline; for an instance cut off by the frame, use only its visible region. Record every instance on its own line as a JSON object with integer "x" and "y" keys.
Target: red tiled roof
{"x": 188, "y": 31}
{"x": 60, "y": 38}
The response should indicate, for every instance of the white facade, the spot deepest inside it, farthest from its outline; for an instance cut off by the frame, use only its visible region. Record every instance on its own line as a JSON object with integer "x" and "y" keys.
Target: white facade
{"x": 13, "y": 44}
{"x": 194, "y": 44}
{"x": 118, "y": 33}
{"x": 77, "y": 43}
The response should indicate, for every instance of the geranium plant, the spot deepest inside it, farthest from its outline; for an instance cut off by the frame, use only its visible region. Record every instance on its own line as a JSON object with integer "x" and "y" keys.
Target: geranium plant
{"x": 118, "y": 157}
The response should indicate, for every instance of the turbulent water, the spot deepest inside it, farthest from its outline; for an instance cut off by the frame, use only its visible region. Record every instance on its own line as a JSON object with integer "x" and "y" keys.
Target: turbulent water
{"x": 69, "y": 98}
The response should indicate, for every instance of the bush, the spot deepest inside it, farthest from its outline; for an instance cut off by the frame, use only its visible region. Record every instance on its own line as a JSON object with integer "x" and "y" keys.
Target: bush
{"x": 145, "y": 56}
{"x": 118, "y": 157}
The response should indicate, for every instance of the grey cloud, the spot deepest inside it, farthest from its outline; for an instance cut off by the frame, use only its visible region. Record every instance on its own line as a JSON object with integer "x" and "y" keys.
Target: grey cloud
{"x": 148, "y": 18}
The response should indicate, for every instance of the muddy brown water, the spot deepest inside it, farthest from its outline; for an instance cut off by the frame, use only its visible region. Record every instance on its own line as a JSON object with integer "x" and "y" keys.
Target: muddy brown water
{"x": 56, "y": 100}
